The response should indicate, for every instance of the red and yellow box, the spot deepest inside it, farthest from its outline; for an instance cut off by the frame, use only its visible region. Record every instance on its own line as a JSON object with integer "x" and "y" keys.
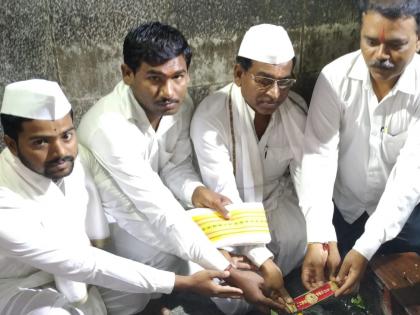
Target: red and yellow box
{"x": 314, "y": 296}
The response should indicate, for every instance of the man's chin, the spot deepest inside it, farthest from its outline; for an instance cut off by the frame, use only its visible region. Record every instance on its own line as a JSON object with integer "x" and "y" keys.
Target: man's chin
{"x": 382, "y": 75}
{"x": 59, "y": 174}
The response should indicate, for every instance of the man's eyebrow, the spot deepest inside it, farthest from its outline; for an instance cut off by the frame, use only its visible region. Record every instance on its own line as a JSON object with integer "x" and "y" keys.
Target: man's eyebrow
{"x": 388, "y": 41}
{"x": 151, "y": 71}
{"x": 44, "y": 136}
{"x": 69, "y": 129}
{"x": 268, "y": 75}
{"x": 156, "y": 72}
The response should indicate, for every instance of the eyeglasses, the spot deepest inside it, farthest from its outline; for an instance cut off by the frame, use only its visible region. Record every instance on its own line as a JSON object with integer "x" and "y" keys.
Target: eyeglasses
{"x": 265, "y": 83}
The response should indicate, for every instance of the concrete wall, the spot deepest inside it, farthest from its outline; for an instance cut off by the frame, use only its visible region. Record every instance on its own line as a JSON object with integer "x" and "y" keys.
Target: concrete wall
{"x": 79, "y": 42}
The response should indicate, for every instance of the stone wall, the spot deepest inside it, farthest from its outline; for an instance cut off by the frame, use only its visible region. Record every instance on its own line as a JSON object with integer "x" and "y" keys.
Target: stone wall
{"x": 79, "y": 42}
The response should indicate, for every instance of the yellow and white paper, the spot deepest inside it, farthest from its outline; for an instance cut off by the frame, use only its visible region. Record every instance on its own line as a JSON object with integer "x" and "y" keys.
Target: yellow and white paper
{"x": 247, "y": 225}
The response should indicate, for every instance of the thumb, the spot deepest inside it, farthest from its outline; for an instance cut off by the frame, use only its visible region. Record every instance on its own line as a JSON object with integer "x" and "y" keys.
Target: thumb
{"x": 285, "y": 295}
{"x": 319, "y": 276}
{"x": 219, "y": 207}
{"x": 341, "y": 277}
{"x": 218, "y": 274}
{"x": 332, "y": 271}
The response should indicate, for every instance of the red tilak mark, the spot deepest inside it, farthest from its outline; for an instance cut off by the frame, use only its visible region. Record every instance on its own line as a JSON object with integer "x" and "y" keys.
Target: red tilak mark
{"x": 382, "y": 36}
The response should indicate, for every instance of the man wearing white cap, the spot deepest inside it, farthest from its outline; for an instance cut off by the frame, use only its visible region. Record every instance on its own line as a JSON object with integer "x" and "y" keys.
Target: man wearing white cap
{"x": 248, "y": 137}
{"x": 45, "y": 255}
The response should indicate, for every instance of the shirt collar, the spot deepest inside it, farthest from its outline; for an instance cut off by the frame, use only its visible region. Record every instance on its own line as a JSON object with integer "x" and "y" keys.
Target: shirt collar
{"x": 36, "y": 181}
{"x": 407, "y": 82}
{"x": 359, "y": 70}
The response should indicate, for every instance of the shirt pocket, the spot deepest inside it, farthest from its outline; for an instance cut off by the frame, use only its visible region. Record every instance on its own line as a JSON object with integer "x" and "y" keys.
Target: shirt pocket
{"x": 391, "y": 146}
{"x": 276, "y": 161}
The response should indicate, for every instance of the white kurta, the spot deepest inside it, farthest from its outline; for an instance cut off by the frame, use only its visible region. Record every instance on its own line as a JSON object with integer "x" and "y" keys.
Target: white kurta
{"x": 149, "y": 167}
{"x": 42, "y": 235}
{"x": 262, "y": 166}
{"x": 375, "y": 146}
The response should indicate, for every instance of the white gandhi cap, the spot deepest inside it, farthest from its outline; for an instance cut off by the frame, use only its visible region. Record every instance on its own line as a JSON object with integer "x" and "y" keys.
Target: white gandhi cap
{"x": 35, "y": 99}
{"x": 267, "y": 43}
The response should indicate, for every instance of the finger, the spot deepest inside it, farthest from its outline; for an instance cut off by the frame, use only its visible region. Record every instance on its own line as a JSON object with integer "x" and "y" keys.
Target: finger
{"x": 332, "y": 272}
{"x": 238, "y": 262}
{"x": 243, "y": 265}
{"x": 307, "y": 278}
{"x": 319, "y": 276}
{"x": 229, "y": 296}
{"x": 347, "y": 286}
{"x": 219, "y": 207}
{"x": 226, "y": 201}
{"x": 265, "y": 301}
{"x": 285, "y": 296}
{"x": 218, "y": 274}
{"x": 228, "y": 290}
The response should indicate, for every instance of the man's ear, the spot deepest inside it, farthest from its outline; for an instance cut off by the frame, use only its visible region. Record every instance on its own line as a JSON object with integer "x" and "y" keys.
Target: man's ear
{"x": 127, "y": 74}
{"x": 418, "y": 43}
{"x": 11, "y": 144}
{"x": 238, "y": 72}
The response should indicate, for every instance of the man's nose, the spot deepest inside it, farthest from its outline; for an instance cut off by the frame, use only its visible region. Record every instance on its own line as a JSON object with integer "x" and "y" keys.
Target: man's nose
{"x": 382, "y": 52}
{"x": 167, "y": 89}
{"x": 57, "y": 149}
{"x": 274, "y": 91}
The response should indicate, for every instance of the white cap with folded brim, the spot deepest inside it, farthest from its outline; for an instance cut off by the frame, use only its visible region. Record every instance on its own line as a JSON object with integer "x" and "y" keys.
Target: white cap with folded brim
{"x": 267, "y": 43}
{"x": 35, "y": 99}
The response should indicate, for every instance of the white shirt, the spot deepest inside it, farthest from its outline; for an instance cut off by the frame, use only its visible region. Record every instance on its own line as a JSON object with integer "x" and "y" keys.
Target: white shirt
{"x": 148, "y": 166}
{"x": 211, "y": 134}
{"x": 42, "y": 234}
{"x": 374, "y": 145}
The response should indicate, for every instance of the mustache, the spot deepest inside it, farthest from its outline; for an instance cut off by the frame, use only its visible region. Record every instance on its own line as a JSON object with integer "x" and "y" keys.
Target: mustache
{"x": 166, "y": 101}
{"x": 67, "y": 158}
{"x": 381, "y": 64}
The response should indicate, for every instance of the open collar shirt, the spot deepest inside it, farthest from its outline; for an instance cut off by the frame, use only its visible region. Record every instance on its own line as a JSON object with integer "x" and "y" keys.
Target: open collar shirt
{"x": 152, "y": 168}
{"x": 211, "y": 135}
{"x": 362, "y": 152}
{"x": 42, "y": 233}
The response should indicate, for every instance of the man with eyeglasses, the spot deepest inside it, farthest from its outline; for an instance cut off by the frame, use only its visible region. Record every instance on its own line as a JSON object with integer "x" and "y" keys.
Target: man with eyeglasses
{"x": 248, "y": 138}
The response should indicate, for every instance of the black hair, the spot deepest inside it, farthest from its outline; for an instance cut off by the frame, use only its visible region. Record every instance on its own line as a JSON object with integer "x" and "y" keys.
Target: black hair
{"x": 12, "y": 125}
{"x": 155, "y": 44}
{"x": 246, "y": 63}
{"x": 392, "y": 9}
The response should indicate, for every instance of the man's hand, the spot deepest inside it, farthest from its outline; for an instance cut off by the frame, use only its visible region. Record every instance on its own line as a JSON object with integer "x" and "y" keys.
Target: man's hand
{"x": 333, "y": 261}
{"x": 202, "y": 283}
{"x": 252, "y": 286}
{"x": 205, "y": 198}
{"x": 351, "y": 272}
{"x": 238, "y": 261}
{"x": 314, "y": 264}
{"x": 274, "y": 284}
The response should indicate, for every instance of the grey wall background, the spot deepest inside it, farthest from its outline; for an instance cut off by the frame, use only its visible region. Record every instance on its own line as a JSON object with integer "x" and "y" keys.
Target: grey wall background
{"x": 79, "y": 43}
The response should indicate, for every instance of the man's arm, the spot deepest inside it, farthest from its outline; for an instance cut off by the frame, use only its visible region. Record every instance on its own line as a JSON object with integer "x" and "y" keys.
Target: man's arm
{"x": 210, "y": 136}
{"x": 319, "y": 167}
{"x": 152, "y": 200}
{"x": 23, "y": 239}
{"x": 400, "y": 197}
